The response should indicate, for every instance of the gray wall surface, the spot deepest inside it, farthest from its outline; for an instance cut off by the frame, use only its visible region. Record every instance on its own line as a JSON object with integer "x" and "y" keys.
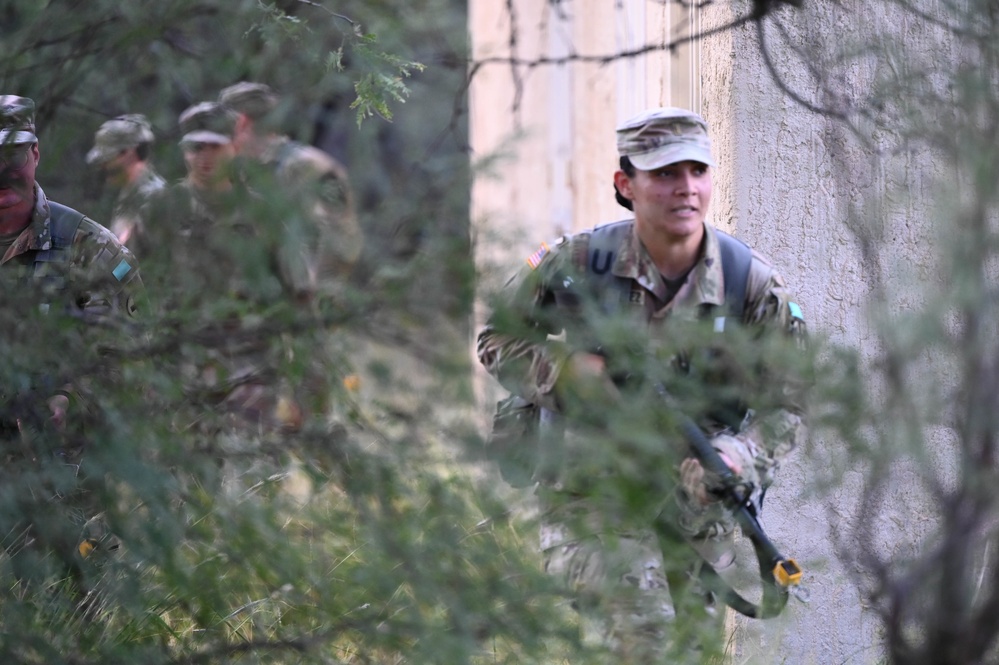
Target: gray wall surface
{"x": 801, "y": 188}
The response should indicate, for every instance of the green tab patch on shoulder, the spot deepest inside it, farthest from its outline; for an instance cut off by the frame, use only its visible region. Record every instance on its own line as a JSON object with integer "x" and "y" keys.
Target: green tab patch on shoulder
{"x": 121, "y": 270}
{"x": 796, "y": 311}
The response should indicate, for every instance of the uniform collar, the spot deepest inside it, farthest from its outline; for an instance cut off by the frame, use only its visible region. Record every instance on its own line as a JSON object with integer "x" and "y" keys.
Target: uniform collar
{"x": 147, "y": 175}
{"x": 132, "y": 188}
{"x": 37, "y": 236}
{"x": 272, "y": 148}
{"x": 704, "y": 285}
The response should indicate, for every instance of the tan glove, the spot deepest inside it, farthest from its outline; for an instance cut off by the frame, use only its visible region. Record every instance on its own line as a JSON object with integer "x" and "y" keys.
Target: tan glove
{"x": 738, "y": 452}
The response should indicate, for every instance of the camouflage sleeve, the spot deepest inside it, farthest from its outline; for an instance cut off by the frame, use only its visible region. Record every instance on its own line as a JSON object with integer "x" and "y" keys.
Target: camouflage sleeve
{"x": 333, "y": 208}
{"x": 522, "y": 344}
{"x": 151, "y": 194}
{"x": 124, "y": 225}
{"x": 104, "y": 274}
{"x": 322, "y": 187}
{"x": 777, "y": 432}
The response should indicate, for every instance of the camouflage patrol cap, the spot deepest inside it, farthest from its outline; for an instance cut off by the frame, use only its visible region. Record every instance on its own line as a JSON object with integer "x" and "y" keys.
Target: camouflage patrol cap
{"x": 255, "y": 100}
{"x": 206, "y": 122}
{"x": 662, "y": 136}
{"x": 117, "y": 134}
{"x": 17, "y": 120}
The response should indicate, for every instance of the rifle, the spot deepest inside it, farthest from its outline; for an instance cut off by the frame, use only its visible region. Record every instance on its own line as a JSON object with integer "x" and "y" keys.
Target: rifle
{"x": 779, "y": 574}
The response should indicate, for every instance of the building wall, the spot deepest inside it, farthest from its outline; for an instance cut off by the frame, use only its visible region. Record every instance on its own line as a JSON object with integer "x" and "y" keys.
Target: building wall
{"x": 782, "y": 197}
{"x": 548, "y": 132}
{"x": 787, "y": 181}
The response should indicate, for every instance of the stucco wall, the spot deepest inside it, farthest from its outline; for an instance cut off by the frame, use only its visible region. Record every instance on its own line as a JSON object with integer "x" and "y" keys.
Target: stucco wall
{"x": 798, "y": 181}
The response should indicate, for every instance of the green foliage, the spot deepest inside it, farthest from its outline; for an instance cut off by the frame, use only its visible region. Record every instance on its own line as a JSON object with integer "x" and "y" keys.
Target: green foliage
{"x": 357, "y": 539}
{"x": 375, "y": 90}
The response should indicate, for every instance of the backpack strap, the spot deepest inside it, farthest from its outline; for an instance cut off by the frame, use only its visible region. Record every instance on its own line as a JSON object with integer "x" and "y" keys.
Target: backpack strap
{"x": 737, "y": 259}
{"x": 597, "y": 258}
{"x": 63, "y": 224}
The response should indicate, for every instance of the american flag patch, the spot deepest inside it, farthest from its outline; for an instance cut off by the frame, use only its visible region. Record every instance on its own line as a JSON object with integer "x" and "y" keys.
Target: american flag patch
{"x": 534, "y": 260}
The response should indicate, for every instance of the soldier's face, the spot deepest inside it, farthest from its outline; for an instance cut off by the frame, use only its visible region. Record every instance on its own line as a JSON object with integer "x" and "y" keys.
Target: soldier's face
{"x": 17, "y": 180}
{"x": 672, "y": 200}
{"x": 206, "y": 162}
{"x": 116, "y": 169}
{"x": 242, "y": 134}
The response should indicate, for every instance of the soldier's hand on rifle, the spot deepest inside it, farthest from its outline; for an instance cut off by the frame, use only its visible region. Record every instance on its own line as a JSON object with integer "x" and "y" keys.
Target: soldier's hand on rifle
{"x": 58, "y": 405}
{"x": 692, "y": 478}
{"x": 584, "y": 380}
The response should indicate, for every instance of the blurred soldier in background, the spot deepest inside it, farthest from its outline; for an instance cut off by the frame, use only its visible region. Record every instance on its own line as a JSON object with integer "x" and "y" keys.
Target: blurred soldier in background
{"x": 188, "y": 259}
{"x": 121, "y": 152}
{"x": 233, "y": 266}
{"x": 206, "y": 141}
{"x": 302, "y": 183}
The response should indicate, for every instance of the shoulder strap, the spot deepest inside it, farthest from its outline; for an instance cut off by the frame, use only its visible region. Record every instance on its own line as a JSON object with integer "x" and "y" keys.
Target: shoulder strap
{"x": 63, "y": 224}
{"x": 737, "y": 259}
{"x": 284, "y": 152}
{"x": 596, "y": 260}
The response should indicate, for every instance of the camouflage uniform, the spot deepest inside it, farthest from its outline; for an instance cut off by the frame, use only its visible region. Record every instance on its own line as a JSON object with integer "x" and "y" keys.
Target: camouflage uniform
{"x": 61, "y": 262}
{"x": 131, "y": 207}
{"x": 221, "y": 255}
{"x": 600, "y": 550}
{"x": 209, "y": 261}
{"x": 102, "y": 277}
{"x": 186, "y": 259}
{"x": 310, "y": 192}
{"x": 320, "y": 183}
{"x": 98, "y": 279}
{"x": 197, "y": 211}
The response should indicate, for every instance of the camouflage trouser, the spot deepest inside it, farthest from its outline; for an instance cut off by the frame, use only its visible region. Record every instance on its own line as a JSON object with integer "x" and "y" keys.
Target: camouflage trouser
{"x": 624, "y": 597}
{"x": 621, "y": 587}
